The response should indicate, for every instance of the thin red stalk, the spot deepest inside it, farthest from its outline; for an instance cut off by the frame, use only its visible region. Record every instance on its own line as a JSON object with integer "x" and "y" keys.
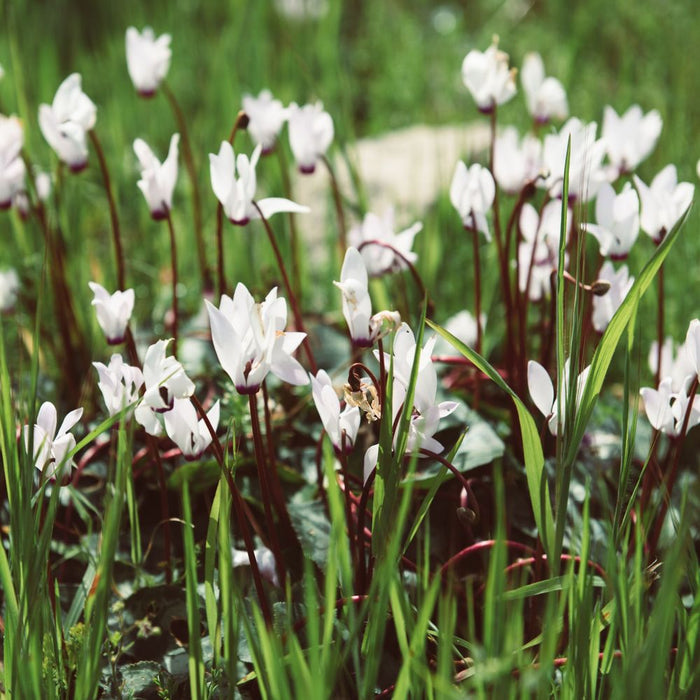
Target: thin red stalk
{"x": 659, "y": 325}
{"x": 298, "y": 320}
{"x": 239, "y": 510}
{"x": 173, "y": 265}
{"x": 240, "y": 123}
{"x": 337, "y": 201}
{"x": 116, "y": 231}
{"x": 293, "y": 235}
{"x": 478, "y": 547}
{"x": 362, "y": 568}
{"x": 164, "y": 508}
{"x": 267, "y": 496}
{"x": 192, "y": 173}
{"x": 564, "y": 557}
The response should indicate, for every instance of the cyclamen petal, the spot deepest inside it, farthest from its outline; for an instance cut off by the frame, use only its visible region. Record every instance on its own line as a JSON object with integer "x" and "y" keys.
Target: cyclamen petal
{"x": 147, "y": 59}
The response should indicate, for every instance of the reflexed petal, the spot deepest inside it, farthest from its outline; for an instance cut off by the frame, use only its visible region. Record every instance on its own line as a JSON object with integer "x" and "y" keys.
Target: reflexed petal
{"x": 541, "y": 387}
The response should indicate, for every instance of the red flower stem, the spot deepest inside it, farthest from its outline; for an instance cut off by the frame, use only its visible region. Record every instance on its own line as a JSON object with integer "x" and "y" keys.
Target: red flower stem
{"x": 173, "y": 265}
{"x": 342, "y": 458}
{"x": 293, "y": 234}
{"x": 164, "y": 508}
{"x": 239, "y": 510}
{"x": 298, "y": 320}
{"x": 659, "y": 324}
{"x": 477, "y": 303}
{"x": 479, "y": 546}
{"x": 337, "y": 201}
{"x": 462, "y": 479}
{"x": 267, "y": 496}
{"x": 240, "y": 123}
{"x": 116, "y": 231}
{"x": 192, "y": 173}
{"x": 362, "y": 572}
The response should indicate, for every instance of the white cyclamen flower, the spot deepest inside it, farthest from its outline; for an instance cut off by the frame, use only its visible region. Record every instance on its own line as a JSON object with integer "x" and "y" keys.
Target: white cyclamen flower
{"x": 692, "y": 345}
{"x": 341, "y": 426}
{"x": 113, "y": 311}
{"x": 630, "y": 138}
{"x": 472, "y": 192}
{"x": 250, "y": 340}
{"x": 586, "y": 172}
{"x": 310, "y": 134}
{"x": 664, "y": 202}
{"x": 266, "y": 117}
{"x": 487, "y": 77}
{"x": 546, "y": 97}
{"x": 617, "y": 217}
{"x": 119, "y": 383}
{"x": 165, "y": 380}
{"x": 51, "y": 447}
{"x": 676, "y": 363}
{"x": 383, "y": 250}
{"x": 12, "y": 168}
{"x": 666, "y": 409}
{"x": 605, "y": 306}
{"x": 264, "y": 558}
{"x": 541, "y": 390}
{"x": 183, "y": 428}
{"x": 9, "y": 286}
{"x": 234, "y": 183}
{"x": 516, "y": 163}
{"x": 147, "y": 59}
{"x": 67, "y": 120}
{"x": 157, "y": 180}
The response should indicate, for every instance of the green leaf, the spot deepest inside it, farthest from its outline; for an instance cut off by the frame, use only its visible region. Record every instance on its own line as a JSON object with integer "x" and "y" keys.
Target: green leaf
{"x": 313, "y": 529}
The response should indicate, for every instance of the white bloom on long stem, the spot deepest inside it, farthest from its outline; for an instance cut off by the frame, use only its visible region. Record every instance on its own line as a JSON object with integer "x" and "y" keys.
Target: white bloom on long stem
{"x": 663, "y": 202}
{"x": 51, "y": 447}
{"x": 538, "y": 252}
{"x": 692, "y": 345}
{"x": 266, "y": 117}
{"x": 541, "y": 390}
{"x": 617, "y": 217}
{"x": 488, "y": 78}
{"x": 545, "y": 96}
{"x": 340, "y": 426}
{"x": 586, "y": 172}
{"x": 183, "y": 428}
{"x": 165, "y": 380}
{"x": 630, "y": 138}
{"x": 119, "y": 383}
{"x": 12, "y": 168}
{"x": 426, "y": 411}
{"x": 310, "y": 134}
{"x": 67, "y": 120}
{"x": 383, "y": 250}
{"x": 250, "y": 340}
{"x": 9, "y": 286}
{"x": 147, "y": 59}
{"x": 472, "y": 192}
{"x": 113, "y": 311}
{"x": 516, "y": 163}
{"x": 157, "y": 180}
{"x": 234, "y": 183}
{"x": 605, "y": 306}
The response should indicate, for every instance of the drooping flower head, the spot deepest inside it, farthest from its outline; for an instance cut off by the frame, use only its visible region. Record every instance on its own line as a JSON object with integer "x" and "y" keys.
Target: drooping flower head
{"x": 147, "y": 59}
{"x": 67, "y": 120}
{"x": 310, "y": 134}
{"x": 234, "y": 183}
{"x": 157, "y": 180}
{"x": 605, "y": 305}
{"x": 266, "y": 117}
{"x": 472, "y": 192}
{"x": 183, "y": 428}
{"x": 9, "y": 286}
{"x": 12, "y": 168}
{"x": 383, "y": 250}
{"x": 664, "y": 202}
{"x": 51, "y": 447}
{"x": 629, "y": 138}
{"x": 488, "y": 78}
{"x": 250, "y": 340}
{"x": 341, "y": 426}
{"x": 113, "y": 311}
{"x": 617, "y": 217}
{"x": 545, "y": 96}
{"x": 119, "y": 383}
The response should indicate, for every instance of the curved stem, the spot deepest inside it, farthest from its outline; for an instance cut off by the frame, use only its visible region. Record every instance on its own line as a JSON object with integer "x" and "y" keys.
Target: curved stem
{"x": 116, "y": 230}
{"x": 240, "y": 123}
{"x": 192, "y": 173}
{"x": 298, "y": 320}
{"x": 362, "y": 564}
{"x": 173, "y": 265}
{"x": 164, "y": 507}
